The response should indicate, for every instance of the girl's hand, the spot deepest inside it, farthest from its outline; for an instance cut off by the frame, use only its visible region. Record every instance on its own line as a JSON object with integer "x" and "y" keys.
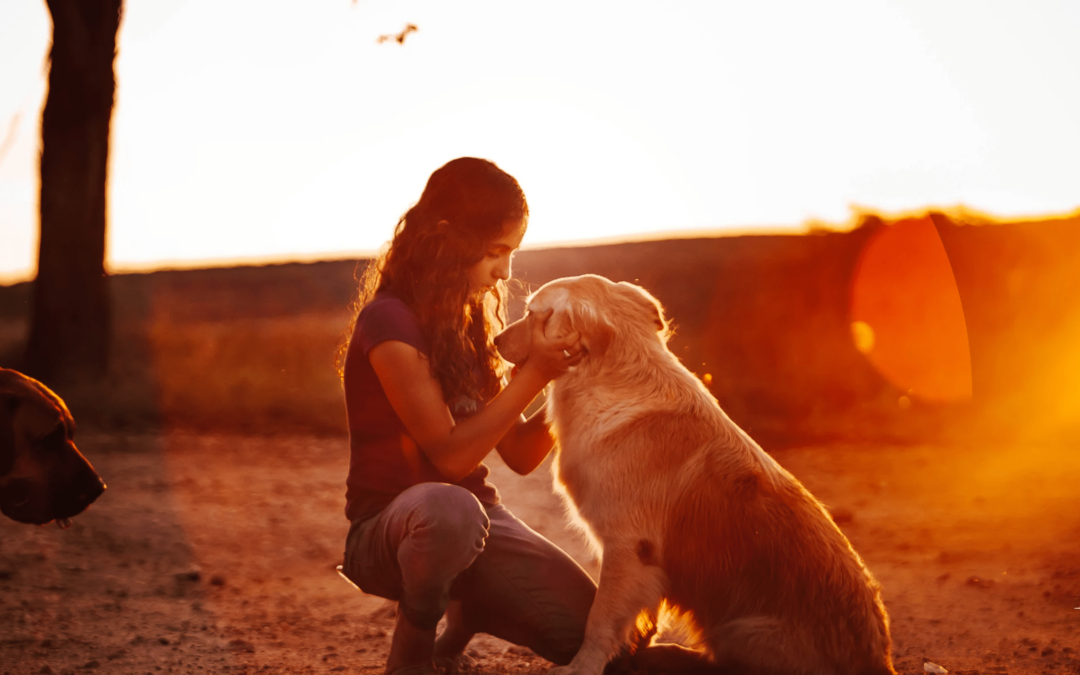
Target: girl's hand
{"x": 551, "y": 357}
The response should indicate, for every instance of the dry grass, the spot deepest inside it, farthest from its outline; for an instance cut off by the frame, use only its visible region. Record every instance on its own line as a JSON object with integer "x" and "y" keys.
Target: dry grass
{"x": 252, "y": 375}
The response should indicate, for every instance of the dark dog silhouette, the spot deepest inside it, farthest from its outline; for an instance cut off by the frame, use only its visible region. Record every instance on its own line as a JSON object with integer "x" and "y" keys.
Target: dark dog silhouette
{"x": 43, "y": 476}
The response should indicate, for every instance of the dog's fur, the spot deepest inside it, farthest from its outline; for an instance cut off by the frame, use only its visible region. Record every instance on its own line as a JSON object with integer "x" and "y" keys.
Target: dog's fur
{"x": 688, "y": 511}
{"x": 43, "y": 476}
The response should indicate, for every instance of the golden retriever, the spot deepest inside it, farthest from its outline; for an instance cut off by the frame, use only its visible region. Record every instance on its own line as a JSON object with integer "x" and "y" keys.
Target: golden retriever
{"x": 690, "y": 515}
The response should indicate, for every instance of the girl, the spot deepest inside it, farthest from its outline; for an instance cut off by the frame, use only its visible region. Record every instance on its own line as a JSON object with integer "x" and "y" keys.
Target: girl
{"x": 425, "y": 406}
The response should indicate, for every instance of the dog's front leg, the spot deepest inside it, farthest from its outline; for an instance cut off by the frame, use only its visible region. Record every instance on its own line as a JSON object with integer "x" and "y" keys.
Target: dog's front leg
{"x": 627, "y": 586}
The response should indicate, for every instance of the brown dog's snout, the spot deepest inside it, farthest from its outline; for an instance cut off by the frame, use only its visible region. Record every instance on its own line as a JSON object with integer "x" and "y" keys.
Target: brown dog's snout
{"x": 84, "y": 486}
{"x": 63, "y": 492}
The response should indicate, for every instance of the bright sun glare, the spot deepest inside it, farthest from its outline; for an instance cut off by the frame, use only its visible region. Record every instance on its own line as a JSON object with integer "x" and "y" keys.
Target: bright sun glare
{"x": 291, "y": 133}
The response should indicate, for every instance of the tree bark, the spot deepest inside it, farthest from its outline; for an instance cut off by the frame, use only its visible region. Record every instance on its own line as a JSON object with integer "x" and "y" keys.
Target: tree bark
{"x": 70, "y": 326}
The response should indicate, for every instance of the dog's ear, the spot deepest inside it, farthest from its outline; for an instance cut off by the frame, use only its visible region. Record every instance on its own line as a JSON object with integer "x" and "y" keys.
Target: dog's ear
{"x": 649, "y": 305}
{"x": 596, "y": 332}
{"x": 34, "y": 420}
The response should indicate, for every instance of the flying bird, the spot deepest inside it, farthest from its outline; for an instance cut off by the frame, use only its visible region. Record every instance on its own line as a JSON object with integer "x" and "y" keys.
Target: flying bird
{"x": 400, "y": 37}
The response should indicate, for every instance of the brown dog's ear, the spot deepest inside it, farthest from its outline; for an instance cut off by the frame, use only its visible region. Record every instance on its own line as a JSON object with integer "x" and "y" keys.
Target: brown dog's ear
{"x": 35, "y": 420}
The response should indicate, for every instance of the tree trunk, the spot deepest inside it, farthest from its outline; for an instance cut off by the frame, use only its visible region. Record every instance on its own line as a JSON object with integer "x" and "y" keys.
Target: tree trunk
{"x": 70, "y": 326}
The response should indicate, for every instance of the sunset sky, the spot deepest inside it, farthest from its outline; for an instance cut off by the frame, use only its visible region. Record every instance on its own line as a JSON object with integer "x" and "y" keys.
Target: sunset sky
{"x": 248, "y": 131}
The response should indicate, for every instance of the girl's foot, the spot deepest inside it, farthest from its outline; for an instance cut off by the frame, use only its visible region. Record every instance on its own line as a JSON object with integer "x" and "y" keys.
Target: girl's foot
{"x": 450, "y": 645}
{"x": 456, "y": 664}
{"x": 411, "y": 649}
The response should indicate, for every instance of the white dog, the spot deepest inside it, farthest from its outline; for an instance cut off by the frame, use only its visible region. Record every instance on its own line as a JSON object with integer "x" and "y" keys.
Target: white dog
{"x": 690, "y": 514}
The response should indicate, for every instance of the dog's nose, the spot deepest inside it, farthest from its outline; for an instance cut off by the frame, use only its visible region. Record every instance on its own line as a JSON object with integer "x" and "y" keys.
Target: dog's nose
{"x": 89, "y": 495}
{"x": 79, "y": 494}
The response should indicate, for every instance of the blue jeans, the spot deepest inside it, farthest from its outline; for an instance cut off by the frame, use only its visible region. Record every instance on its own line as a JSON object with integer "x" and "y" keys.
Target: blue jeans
{"x": 436, "y": 542}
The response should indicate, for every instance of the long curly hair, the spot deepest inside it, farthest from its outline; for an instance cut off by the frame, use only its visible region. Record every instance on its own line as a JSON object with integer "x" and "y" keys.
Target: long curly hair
{"x": 466, "y": 204}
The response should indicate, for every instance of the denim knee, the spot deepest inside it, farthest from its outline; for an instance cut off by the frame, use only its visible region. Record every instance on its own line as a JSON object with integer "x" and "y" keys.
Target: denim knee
{"x": 445, "y": 530}
{"x": 449, "y": 515}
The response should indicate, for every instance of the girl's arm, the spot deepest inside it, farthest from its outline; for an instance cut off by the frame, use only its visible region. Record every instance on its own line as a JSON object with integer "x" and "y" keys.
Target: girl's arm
{"x": 527, "y": 443}
{"x": 415, "y": 395}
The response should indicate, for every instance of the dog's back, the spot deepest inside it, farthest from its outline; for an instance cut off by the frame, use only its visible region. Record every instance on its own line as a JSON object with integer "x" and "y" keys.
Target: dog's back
{"x": 771, "y": 581}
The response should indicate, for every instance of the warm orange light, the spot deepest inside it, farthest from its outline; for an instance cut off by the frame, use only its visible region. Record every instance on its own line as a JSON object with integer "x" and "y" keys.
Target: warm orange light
{"x": 906, "y": 313}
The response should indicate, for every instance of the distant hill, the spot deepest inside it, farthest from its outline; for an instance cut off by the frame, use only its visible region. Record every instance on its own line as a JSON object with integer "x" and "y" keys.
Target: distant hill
{"x": 766, "y": 320}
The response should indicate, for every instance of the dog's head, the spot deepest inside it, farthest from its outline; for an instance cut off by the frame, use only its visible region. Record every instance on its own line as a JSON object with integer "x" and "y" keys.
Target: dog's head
{"x": 43, "y": 476}
{"x": 604, "y": 312}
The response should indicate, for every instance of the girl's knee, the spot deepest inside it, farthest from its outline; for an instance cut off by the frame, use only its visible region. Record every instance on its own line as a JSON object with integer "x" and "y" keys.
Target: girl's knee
{"x": 447, "y": 514}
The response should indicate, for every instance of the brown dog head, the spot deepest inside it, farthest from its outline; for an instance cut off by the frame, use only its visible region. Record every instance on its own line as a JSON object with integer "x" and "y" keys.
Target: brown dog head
{"x": 604, "y": 312}
{"x": 43, "y": 476}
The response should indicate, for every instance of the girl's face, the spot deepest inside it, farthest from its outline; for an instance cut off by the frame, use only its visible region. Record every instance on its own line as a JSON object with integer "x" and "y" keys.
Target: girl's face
{"x": 495, "y": 264}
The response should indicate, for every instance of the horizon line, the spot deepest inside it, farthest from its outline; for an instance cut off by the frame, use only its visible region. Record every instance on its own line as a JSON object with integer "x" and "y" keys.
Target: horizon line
{"x": 959, "y": 212}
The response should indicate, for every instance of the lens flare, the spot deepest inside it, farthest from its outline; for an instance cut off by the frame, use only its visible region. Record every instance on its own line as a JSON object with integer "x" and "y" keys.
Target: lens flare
{"x": 906, "y": 313}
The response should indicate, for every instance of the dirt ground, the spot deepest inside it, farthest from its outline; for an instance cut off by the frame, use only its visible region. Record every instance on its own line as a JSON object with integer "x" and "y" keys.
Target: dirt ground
{"x": 216, "y": 554}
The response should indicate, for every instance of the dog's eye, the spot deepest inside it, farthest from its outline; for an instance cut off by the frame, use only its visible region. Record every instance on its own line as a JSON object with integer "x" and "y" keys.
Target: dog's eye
{"x": 55, "y": 439}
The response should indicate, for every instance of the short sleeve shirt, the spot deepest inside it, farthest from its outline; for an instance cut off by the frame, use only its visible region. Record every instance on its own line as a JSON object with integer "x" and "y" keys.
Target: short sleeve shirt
{"x": 384, "y": 458}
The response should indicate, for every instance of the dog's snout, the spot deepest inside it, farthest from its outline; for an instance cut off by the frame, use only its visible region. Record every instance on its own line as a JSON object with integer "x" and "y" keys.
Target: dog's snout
{"x": 513, "y": 343}
{"x": 92, "y": 492}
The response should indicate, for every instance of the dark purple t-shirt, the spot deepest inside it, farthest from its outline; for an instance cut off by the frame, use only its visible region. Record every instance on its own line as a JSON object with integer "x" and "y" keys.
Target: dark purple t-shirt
{"x": 384, "y": 459}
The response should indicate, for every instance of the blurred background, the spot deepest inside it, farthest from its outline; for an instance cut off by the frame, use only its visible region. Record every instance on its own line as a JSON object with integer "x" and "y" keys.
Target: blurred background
{"x": 860, "y": 215}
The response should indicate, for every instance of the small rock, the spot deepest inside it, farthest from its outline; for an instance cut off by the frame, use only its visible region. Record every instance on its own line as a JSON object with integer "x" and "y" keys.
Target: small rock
{"x": 162, "y": 640}
{"x": 979, "y": 582}
{"x": 217, "y": 580}
{"x": 1047, "y": 652}
{"x": 519, "y": 650}
{"x": 4, "y": 576}
{"x": 92, "y": 664}
{"x": 45, "y": 670}
{"x": 241, "y": 646}
{"x": 933, "y": 668}
{"x": 190, "y": 575}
